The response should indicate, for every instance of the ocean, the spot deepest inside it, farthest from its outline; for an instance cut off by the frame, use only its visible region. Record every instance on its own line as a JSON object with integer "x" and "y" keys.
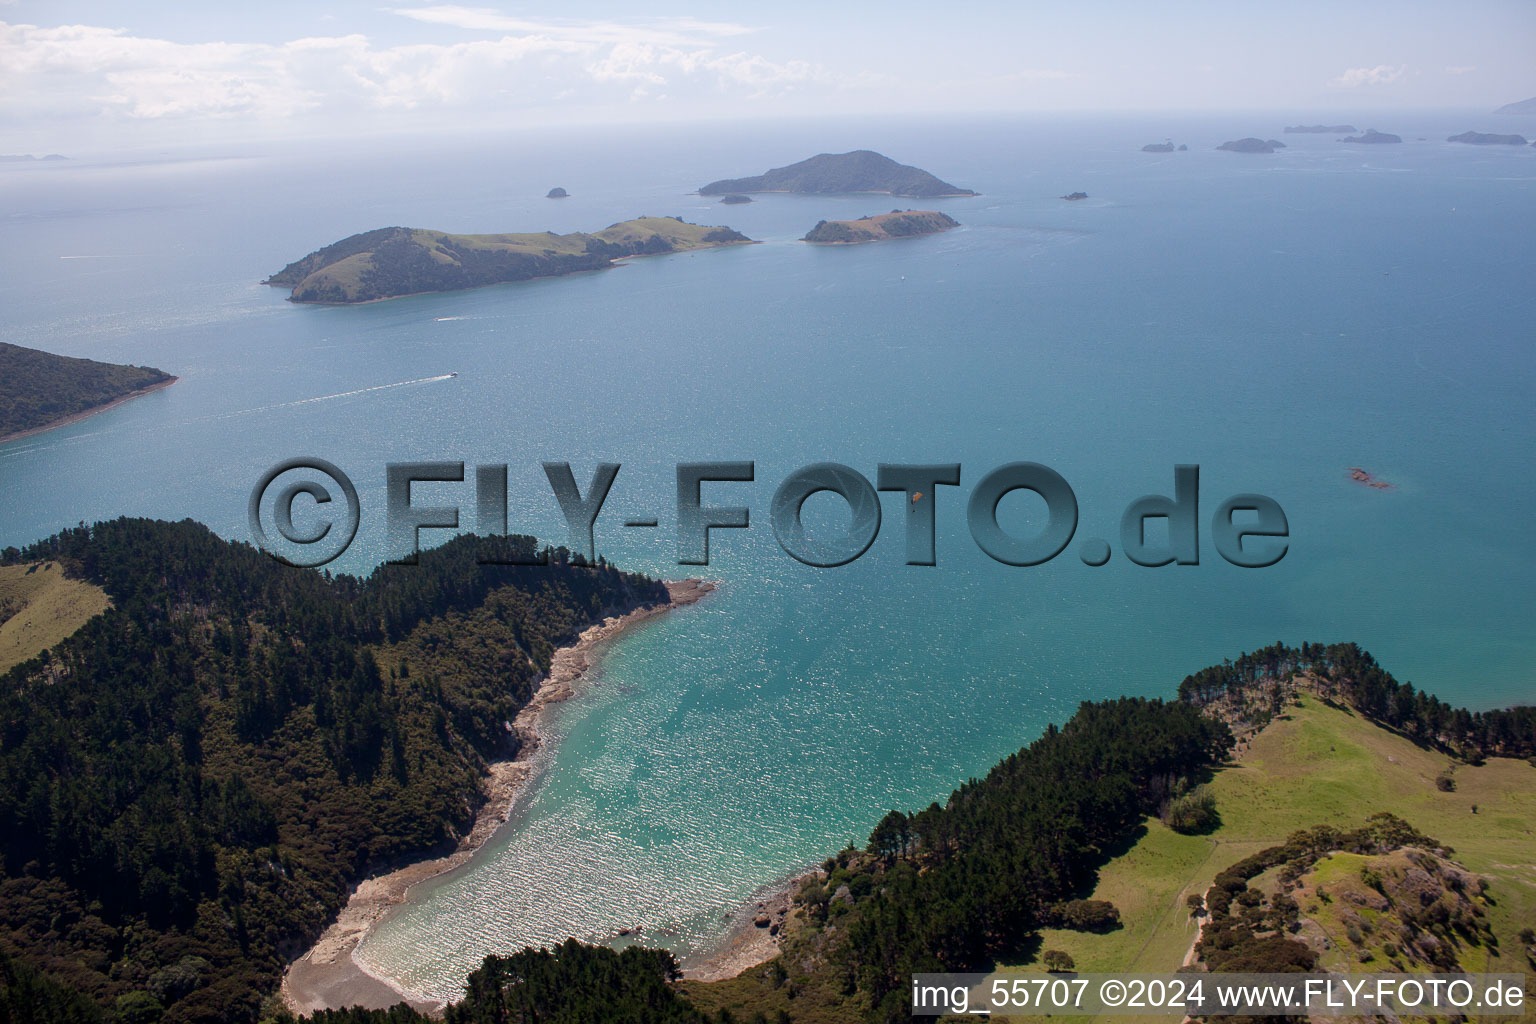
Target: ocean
{"x": 1275, "y": 319}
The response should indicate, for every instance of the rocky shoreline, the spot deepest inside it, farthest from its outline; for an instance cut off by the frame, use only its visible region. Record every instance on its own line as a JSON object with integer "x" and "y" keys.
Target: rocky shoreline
{"x": 328, "y": 975}
{"x": 757, "y": 927}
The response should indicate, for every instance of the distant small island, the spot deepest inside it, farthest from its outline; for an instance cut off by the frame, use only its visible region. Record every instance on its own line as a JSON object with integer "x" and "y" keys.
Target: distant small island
{"x": 1521, "y": 107}
{"x": 1074, "y": 196}
{"x": 1373, "y": 136}
{"x": 1252, "y": 145}
{"x": 1320, "y": 129}
{"x": 1160, "y": 147}
{"x": 391, "y": 262}
{"x": 735, "y": 199}
{"x": 21, "y": 158}
{"x": 1487, "y": 139}
{"x": 830, "y": 173}
{"x": 880, "y": 227}
{"x": 557, "y": 193}
{"x": 1361, "y": 476}
{"x": 40, "y": 390}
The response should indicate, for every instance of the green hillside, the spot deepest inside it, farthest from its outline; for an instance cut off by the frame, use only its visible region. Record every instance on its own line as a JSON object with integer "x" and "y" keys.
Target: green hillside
{"x": 1318, "y": 764}
{"x": 1324, "y": 737}
{"x": 391, "y": 262}
{"x": 39, "y": 389}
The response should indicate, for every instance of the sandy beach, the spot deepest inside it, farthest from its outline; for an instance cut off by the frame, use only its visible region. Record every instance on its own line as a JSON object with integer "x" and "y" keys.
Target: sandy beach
{"x": 328, "y": 976}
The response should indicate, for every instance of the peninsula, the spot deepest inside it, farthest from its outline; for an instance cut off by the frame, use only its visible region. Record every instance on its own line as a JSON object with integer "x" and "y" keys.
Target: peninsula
{"x": 830, "y": 173}
{"x": 390, "y": 262}
{"x": 40, "y": 390}
{"x": 880, "y": 227}
{"x": 1373, "y": 136}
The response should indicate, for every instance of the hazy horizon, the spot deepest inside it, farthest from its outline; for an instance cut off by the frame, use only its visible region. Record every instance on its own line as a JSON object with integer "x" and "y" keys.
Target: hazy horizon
{"x": 87, "y": 75}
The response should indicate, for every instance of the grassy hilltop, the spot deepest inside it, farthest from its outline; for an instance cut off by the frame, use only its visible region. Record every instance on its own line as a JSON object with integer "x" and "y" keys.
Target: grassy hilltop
{"x": 201, "y": 750}
{"x": 390, "y": 262}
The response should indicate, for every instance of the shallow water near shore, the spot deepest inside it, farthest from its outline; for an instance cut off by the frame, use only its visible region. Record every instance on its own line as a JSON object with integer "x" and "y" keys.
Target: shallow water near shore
{"x": 1276, "y": 319}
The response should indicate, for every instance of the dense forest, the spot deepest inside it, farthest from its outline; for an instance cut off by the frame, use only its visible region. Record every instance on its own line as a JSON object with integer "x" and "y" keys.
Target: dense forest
{"x": 38, "y": 388}
{"x": 191, "y": 782}
{"x": 962, "y": 885}
{"x": 1345, "y": 672}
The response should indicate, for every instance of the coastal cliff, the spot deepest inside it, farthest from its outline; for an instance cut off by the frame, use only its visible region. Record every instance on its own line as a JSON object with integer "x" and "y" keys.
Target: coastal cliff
{"x": 391, "y": 262}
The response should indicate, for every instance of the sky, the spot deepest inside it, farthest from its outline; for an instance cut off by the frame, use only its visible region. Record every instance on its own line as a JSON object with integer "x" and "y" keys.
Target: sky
{"x": 104, "y": 74}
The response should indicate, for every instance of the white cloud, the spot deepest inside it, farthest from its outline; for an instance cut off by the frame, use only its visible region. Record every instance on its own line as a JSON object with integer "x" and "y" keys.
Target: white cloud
{"x": 1381, "y": 74}
{"x": 661, "y": 32}
{"x": 82, "y": 71}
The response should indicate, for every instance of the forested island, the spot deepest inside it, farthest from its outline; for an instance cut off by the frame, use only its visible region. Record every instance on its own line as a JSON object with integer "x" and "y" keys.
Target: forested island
{"x": 862, "y": 170}
{"x": 391, "y": 262}
{"x": 880, "y": 227}
{"x": 40, "y": 390}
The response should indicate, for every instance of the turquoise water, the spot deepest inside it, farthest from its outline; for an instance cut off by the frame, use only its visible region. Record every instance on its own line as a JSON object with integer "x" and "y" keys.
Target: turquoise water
{"x": 1274, "y": 319}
